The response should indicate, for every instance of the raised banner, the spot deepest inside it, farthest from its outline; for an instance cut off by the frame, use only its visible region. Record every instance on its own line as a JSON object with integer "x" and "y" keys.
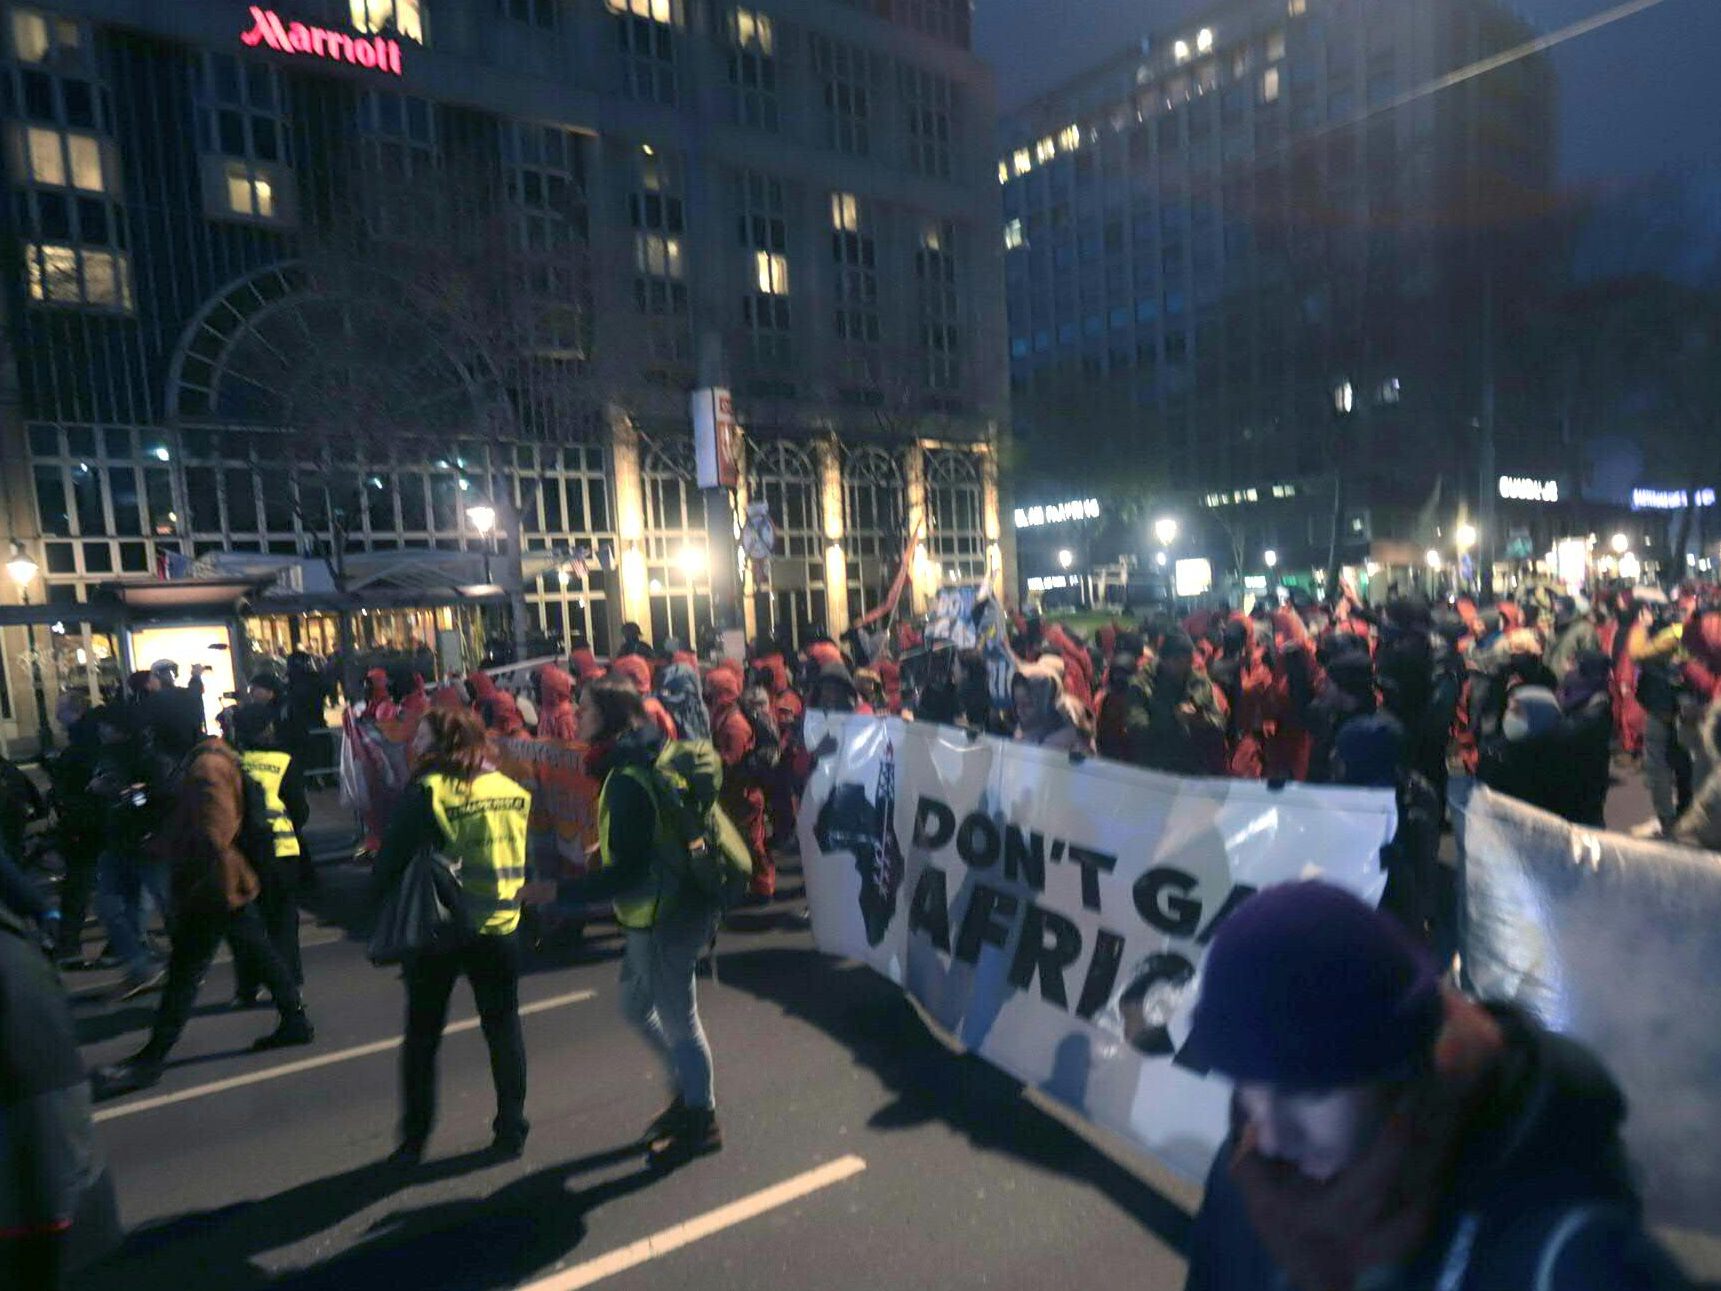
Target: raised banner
{"x": 1052, "y": 915}
{"x": 1615, "y": 941}
{"x": 563, "y": 825}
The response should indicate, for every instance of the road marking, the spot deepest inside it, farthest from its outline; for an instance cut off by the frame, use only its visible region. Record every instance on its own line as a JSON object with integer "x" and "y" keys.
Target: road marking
{"x": 696, "y": 1229}
{"x": 321, "y": 1060}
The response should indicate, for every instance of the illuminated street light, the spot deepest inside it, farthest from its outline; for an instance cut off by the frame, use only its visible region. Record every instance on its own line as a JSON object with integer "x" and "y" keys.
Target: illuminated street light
{"x": 1165, "y": 530}
{"x": 1271, "y": 557}
{"x": 1159, "y": 560}
{"x": 1066, "y": 558}
{"x": 482, "y": 518}
{"x": 1466, "y": 537}
{"x": 693, "y": 561}
{"x": 1620, "y": 544}
{"x": 1434, "y": 560}
{"x": 23, "y": 571}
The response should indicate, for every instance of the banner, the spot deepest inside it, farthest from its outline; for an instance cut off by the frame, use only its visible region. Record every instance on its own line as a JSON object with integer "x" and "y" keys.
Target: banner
{"x": 1615, "y": 941}
{"x": 1052, "y": 915}
{"x": 564, "y": 821}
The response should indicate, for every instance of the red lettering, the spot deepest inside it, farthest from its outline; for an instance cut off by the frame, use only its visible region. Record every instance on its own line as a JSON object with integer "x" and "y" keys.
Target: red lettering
{"x": 394, "y": 57}
{"x": 299, "y": 36}
{"x": 254, "y": 37}
{"x": 364, "y": 53}
{"x": 346, "y": 44}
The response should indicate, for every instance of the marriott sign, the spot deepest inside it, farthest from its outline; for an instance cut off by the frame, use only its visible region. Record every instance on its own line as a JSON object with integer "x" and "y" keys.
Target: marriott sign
{"x": 298, "y": 38}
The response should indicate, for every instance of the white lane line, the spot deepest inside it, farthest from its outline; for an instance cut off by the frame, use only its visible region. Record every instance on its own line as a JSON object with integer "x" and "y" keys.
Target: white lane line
{"x": 321, "y": 1060}
{"x": 676, "y": 1236}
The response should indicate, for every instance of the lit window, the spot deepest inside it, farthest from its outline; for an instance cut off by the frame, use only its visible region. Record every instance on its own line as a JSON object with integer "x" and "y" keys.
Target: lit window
{"x": 1270, "y": 85}
{"x": 1070, "y": 138}
{"x": 1344, "y": 397}
{"x": 752, "y": 31}
{"x": 1046, "y": 149}
{"x": 37, "y": 38}
{"x": 404, "y": 18}
{"x": 1013, "y": 235}
{"x": 62, "y": 275}
{"x": 1180, "y": 51}
{"x": 1250, "y": 495}
{"x": 1003, "y": 172}
{"x": 1022, "y": 162}
{"x": 657, "y": 255}
{"x": 845, "y": 212}
{"x": 753, "y": 69}
{"x": 1275, "y": 46}
{"x": 249, "y": 193}
{"x": 1296, "y": 8}
{"x": 1204, "y": 40}
{"x": 655, "y": 10}
{"x": 773, "y": 271}
{"x": 1240, "y": 64}
{"x": 63, "y": 159}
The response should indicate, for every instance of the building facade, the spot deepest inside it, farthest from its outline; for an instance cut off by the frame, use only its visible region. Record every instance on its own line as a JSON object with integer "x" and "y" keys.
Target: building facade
{"x": 1252, "y": 260}
{"x": 324, "y": 279}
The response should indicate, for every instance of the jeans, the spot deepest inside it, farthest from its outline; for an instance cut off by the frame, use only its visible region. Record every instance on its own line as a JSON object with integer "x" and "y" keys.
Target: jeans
{"x": 121, "y": 880}
{"x": 196, "y": 937}
{"x": 1662, "y": 754}
{"x": 492, "y": 965}
{"x": 659, "y": 1000}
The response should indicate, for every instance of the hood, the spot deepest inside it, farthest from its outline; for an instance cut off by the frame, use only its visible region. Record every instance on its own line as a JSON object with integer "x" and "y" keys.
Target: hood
{"x": 1536, "y": 709}
{"x": 636, "y": 746}
{"x": 835, "y": 673}
{"x": 775, "y": 671}
{"x": 722, "y": 687}
{"x": 502, "y": 714}
{"x": 678, "y": 691}
{"x": 482, "y": 686}
{"x": 585, "y": 664}
{"x": 1044, "y": 689}
{"x": 1370, "y": 749}
{"x": 376, "y": 685}
{"x": 556, "y": 686}
{"x": 449, "y": 695}
{"x": 824, "y": 653}
{"x": 634, "y": 668}
{"x": 1702, "y": 637}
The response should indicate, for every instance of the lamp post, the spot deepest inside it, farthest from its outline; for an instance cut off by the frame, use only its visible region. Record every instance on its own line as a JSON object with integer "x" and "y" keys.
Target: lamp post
{"x": 483, "y": 520}
{"x": 23, "y": 571}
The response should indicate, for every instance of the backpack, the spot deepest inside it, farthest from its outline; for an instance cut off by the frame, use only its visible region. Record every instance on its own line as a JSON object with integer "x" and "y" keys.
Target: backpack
{"x": 703, "y": 846}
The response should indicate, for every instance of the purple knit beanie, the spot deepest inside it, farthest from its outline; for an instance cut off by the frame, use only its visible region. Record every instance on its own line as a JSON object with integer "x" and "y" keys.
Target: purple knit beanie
{"x": 1308, "y": 988}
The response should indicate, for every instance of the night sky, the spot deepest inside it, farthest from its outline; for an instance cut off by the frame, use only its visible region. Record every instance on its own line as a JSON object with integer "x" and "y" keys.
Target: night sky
{"x": 1640, "y": 100}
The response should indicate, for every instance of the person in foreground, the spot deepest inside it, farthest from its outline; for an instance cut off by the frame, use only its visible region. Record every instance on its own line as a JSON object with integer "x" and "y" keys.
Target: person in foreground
{"x": 1391, "y": 1135}
{"x": 477, "y": 818}
{"x": 668, "y": 924}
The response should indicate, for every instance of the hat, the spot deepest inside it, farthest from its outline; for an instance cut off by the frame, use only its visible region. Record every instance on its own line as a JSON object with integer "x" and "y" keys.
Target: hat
{"x": 1306, "y": 987}
{"x": 269, "y": 681}
{"x": 164, "y": 665}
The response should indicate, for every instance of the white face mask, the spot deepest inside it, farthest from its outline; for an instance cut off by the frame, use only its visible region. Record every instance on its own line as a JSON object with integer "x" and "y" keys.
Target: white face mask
{"x": 1320, "y": 1134}
{"x": 1514, "y": 726}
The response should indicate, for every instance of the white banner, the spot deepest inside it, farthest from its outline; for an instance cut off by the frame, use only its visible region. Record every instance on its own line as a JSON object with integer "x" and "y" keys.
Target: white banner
{"x": 1615, "y": 941}
{"x": 1053, "y": 915}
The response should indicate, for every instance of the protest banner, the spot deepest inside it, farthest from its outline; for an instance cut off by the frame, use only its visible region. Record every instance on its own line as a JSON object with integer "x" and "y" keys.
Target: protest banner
{"x": 564, "y": 822}
{"x": 1051, "y": 914}
{"x": 1615, "y": 941}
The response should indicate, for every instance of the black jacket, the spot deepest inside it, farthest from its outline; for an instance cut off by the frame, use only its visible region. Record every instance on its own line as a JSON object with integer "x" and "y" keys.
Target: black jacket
{"x": 632, "y": 824}
{"x": 1541, "y": 1177}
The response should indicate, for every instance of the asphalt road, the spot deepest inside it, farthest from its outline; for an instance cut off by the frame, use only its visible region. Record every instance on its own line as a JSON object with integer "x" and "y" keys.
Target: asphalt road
{"x": 861, "y": 1153}
{"x": 914, "y": 1166}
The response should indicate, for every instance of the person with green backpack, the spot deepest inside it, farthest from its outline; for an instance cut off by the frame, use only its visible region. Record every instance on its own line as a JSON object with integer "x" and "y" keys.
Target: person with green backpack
{"x": 671, "y": 862}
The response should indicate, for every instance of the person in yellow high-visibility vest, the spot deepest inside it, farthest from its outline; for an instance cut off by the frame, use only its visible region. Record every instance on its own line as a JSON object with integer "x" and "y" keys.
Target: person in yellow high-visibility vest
{"x": 262, "y": 753}
{"x": 477, "y": 818}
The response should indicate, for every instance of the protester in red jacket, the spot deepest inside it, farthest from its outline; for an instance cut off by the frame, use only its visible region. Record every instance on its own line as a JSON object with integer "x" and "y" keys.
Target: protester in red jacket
{"x": 1296, "y": 681}
{"x": 782, "y": 785}
{"x": 741, "y": 796}
{"x": 633, "y": 669}
{"x": 555, "y": 704}
{"x": 584, "y": 663}
{"x": 378, "y": 703}
{"x": 501, "y": 715}
{"x": 1078, "y": 678}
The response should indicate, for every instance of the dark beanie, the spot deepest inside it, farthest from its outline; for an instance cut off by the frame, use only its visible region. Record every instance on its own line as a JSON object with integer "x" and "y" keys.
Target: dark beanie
{"x": 1308, "y": 988}
{"x": 1177, "y": 643}
{"x": 270, "y": 682}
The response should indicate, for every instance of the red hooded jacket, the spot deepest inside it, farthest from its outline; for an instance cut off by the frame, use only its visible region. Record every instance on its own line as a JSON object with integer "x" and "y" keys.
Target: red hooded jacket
{"x": 556, "y": 709}
{"x": 638, "y": 671}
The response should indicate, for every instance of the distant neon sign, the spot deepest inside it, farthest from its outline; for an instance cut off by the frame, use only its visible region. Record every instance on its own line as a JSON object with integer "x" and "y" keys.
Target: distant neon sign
{"x": 1057, "y": 513}
{"x": 375, "y": 52}
{"x": 1521, "y": 488}
{"x": 1669, "y": 499}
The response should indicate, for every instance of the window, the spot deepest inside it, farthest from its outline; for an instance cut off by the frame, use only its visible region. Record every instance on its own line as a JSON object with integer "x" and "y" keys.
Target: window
{"x": 50, "y": 41}
{"x": 1296, "y": 8}
{"x": 50, "y": 158}
{"x": 855, "y": 260}
{"x": 67, "y": 275}
{"x": 753, "y": 69}
{"x": 244, "y": 138}
{"x": 850, "y": 76}
{"x": 1275, "y": 46}
{"x": 1270, "y": 85}
{"x": 1013, "y": 235}
{"x": 403, "y": 18}
{"x": 764, "y": 236}
{"x": 946, "y": 19}
{"x": 398, "y": 147}
{"x": 935, "y": 280}
{"x": 645, "y": 32}
{"x": 656, "y": 212}
{"x": 929, "y": 103}
{"x": 539, "y": 13}
{"x": 545, "y": 177}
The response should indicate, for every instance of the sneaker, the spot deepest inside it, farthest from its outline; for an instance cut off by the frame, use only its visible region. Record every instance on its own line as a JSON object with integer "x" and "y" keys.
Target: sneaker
{"x": 665, "y": 1121}
{"x": 137, "y": 1072}
{"x": 295, "y": 1029}
{"x": 697, "y": 1135}
{"x": 141, "y": 984}
{"x": 1648, "y": 829}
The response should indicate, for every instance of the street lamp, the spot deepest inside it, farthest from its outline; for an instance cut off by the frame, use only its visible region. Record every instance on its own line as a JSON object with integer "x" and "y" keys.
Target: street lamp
{"x": 23, "y": 571}
{"x": 1465, "y": 538}
{"x": 1066, "y": 558}
{"x": 1271, "y": 557}
{"x": 1620, "y": 544}
{"x": 1159, "y": 559}
{"x": 483, "y": 519}
{"x": 1434, "y": 560}
{"x": 1165, "y": 530}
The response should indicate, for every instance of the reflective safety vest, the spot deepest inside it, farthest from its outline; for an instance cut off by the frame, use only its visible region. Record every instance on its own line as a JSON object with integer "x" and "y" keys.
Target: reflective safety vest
{"x": 268, "y": 770}
{"x": 484, "y": 824}
{"x": 637, "y": 909}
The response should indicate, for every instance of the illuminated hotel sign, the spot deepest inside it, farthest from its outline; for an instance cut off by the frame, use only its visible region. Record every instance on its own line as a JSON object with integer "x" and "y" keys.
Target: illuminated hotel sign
{"x": 1521, "y": 488}
{"x": 376, "y": 52}
{"x": 1670, "y": 499}
{"x": 1057, "y": 513}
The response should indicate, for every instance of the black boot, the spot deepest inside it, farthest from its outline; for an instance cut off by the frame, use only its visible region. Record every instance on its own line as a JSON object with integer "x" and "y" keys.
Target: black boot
{"x": 696, "y": 1135}
{"x": 295, "y": 1029}
{"x": 665, "y": 1121}
{"x": 139, "y": 1071}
